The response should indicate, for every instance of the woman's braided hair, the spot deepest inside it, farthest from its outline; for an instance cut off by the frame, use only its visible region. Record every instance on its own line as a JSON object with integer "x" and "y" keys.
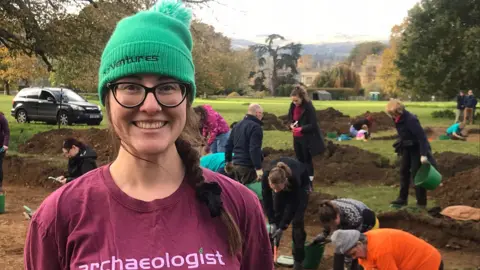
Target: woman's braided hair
{"x": 206, "y": 192}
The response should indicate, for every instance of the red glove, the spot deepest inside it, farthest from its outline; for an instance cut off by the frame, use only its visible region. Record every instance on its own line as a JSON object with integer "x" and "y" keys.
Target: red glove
{"x": 297, "y": 132}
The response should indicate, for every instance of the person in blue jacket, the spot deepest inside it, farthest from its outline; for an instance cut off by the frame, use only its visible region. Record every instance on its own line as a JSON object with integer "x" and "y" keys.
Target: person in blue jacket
{"x": 470, "y": 105}
{"x": 460, "y": 107}
{"x": 285, "y": 185}
{"x": 414, "y": 149}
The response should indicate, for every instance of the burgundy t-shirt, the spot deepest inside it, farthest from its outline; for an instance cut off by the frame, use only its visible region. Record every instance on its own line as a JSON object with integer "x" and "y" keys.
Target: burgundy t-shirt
{"x": 91, "y": 224}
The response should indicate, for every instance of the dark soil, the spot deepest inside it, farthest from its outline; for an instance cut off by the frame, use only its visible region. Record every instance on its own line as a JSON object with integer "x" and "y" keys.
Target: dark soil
{"x": 461, "y": 189}
{"x": 31, "y": 171}
{"x": 50, "y": 143}
{"x": 346, "y": 163}
{"x": 428, "y": 131}
{"x": 272, "y": 122}
{"x": 474, "y": 131}
{"x": 450, "y": 163}
{"x": 441, "y": 232}
{"x": 385, "y": 138}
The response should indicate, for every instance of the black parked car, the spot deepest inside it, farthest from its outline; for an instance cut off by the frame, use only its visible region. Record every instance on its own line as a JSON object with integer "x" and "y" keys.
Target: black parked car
{"x": 53, "y": 105}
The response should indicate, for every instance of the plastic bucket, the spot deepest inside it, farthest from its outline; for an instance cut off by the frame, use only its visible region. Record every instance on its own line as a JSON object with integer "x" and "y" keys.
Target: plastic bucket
{"x": 444, "y": 137}
{"x": 257, "y": 188}
{"x": 428, "y": 177}
{"x": 313, "y": 255}
{"x": 2, "y": 203}
{"x": 332, "y": 135}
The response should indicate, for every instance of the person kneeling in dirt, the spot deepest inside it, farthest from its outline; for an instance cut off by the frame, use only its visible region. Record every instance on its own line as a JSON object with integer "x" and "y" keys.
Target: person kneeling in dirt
{"x": 360, "y": 125}
{"x": 81, "y": 159}
{"x": 388, "y": 249}
{"x": 455, "y": 131}
{"x": 345, "y": 214}
{"x": 289, "y": 180}
{"x": 245, "y": 142}
{"x": 414, "y": 149}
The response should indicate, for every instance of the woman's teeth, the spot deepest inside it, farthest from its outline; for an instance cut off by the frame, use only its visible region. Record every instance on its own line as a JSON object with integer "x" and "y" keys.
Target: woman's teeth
{"x": 150, "y": 125}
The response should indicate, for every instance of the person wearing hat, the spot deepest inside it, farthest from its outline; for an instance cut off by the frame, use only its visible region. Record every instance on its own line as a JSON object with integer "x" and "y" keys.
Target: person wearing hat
{"x": 285, "y": 186}
{"x": 414, "y": 149}
{"x": 153, "y": 207}
{"x": 387, "y": 249}
{"x": 344, "y": 213}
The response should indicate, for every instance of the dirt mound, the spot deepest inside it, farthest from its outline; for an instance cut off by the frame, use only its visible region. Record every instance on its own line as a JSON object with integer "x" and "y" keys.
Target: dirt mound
{"x": 346, "y": 163}
{"x": 450, "y": 163}
{"x": 441, "y": 232}
{"x": 474, "y": 131}
{"x": 272, "y": 122}
{"x": 385, "y": 138}
{"x": 50, "y": 143}
{"x": 381, "y": 120}
{"x": 31, "y": 171}
{"x": 311, "y": 214}
{"x": 461, "y": 189}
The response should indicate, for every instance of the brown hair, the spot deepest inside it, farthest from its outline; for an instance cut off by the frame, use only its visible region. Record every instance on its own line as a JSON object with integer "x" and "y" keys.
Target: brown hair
{"x": 208, "y": 193}
{"x": 280, "y": 175}
{"x": 328, "y": 212}
{"x": 300, "y": 92}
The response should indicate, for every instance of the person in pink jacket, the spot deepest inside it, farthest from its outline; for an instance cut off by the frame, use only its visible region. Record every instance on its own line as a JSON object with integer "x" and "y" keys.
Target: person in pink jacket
{"x": 214, "y": 128}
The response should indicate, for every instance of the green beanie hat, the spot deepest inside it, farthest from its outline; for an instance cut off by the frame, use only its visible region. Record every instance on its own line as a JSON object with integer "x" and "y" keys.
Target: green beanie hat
{"x": 156, "y": 41}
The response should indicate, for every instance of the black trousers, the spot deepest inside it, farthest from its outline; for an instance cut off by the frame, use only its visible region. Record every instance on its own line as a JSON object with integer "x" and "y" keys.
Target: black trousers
{"x": 303, "y": 154}
{"x": 299, "y": 235}
{"x": 408, "y": 169}
{"x": 244, "y": 174}
{"x": 2, "y": 155}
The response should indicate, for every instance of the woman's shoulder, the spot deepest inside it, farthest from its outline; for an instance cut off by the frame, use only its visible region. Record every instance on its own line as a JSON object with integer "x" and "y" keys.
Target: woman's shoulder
{"x": 70, "y": 199}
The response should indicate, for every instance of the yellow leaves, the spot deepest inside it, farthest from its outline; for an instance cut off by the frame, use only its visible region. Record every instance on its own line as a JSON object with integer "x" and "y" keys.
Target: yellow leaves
{"x": 389, "y": 74}
{"x": 20, "y": 67}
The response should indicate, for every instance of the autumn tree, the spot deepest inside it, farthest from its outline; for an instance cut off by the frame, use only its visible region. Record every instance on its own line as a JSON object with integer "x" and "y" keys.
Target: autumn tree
{"x": 440, "y": 51}
{"x": 340, "y": 76}
{"x": 16, "y": 67}
{"x": 389, "y": 74}
{"x": 362, "y": 50}
{"x": 282, "y": 57}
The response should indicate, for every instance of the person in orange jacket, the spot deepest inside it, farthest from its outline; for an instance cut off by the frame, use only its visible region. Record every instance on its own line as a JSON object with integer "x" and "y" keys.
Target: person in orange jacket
{"x": 387, "y": 249}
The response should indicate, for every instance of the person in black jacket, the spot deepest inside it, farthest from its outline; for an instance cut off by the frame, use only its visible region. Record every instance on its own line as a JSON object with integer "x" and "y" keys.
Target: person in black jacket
{"x": 359, "y": 124}
{"x": 470, "y": 104}
{"x": 289, "y": 180}
{"x": 81, "y": 159}
{"x": 414, "y": 148}
{"x": 245, "y": 143}
{"x": 307, "y": 139}
{"x": 460, "y": 106}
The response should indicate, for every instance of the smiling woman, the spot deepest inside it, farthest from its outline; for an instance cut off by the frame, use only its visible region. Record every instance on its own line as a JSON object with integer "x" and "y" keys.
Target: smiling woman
{"x": 154, "y": 205}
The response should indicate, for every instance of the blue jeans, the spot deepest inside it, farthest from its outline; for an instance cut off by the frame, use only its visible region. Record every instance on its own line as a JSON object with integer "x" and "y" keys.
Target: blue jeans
{"x": 353, "y": 131}
{"x": 218, "y": 145}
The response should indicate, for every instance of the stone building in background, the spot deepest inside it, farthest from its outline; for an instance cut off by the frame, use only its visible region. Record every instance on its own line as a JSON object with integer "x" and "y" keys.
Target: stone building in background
{"x": 369, "y": 69}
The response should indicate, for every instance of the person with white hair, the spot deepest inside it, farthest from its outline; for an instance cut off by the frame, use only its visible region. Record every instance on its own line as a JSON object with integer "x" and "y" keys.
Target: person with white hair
{"x": 387, "y": 249}
{"x": 243, "y": 155}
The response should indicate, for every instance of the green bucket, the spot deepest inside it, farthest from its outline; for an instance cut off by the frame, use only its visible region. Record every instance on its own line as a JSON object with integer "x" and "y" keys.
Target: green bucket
{"x": 332, "y": 135}
{"x": 428, "y": 177}
{"x": 2, "y": 203}
{"x": 444, "y": 137}
{"x": 313, "y": 255}
{"x": 257, "y": 188}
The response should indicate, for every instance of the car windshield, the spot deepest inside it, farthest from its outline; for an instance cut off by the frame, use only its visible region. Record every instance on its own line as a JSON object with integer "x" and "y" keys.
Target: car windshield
{"x": 69, "y": 95}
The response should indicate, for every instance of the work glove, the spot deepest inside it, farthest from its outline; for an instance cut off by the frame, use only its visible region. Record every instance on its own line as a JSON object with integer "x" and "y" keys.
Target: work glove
{"x": 424, "y": 159}
{"x": 229, "y": 168}
{"x": 318, "y": 239}
{"x": 259, "y": 174}
{"x": 277, "y": 235}
{"x": 273, "y": 229}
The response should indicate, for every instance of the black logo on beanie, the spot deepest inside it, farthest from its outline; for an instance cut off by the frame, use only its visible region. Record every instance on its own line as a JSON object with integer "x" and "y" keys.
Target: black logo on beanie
{"x": 130, "y": 60}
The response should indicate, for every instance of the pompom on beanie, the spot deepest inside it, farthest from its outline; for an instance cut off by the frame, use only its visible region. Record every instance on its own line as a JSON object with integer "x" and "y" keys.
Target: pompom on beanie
{"x": 155, "y": 41}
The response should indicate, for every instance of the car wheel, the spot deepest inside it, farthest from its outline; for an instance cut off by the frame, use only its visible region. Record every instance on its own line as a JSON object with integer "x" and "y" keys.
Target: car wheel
{"x": 63, "y": 118}
{"x": 22, "y": 116}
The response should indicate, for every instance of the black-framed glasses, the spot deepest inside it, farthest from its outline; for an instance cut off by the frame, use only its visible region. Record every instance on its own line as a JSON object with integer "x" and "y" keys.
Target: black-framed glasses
{"x": 131, "y": 95}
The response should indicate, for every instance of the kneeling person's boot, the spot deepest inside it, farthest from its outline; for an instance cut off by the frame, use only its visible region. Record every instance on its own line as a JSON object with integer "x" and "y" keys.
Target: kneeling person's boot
{"x": 298, "y": 266}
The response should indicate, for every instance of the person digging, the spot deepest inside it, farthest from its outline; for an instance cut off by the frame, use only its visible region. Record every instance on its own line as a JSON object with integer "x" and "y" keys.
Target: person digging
{"x": 414, "y": 149}
{"x": 345, "y": 214}
{"x": 455, "y": 131}
{"x": 387, "y": 249}
{"x": 285, "y": 198}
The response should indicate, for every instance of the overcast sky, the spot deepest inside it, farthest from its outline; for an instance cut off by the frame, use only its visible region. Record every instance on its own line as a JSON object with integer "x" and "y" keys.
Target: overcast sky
{"x": 306, "y": 21}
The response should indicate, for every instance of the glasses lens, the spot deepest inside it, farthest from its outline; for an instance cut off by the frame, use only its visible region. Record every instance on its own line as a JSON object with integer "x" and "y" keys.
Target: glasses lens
{"x": 170, "y": 94}
{"x": 129, "y": 94}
